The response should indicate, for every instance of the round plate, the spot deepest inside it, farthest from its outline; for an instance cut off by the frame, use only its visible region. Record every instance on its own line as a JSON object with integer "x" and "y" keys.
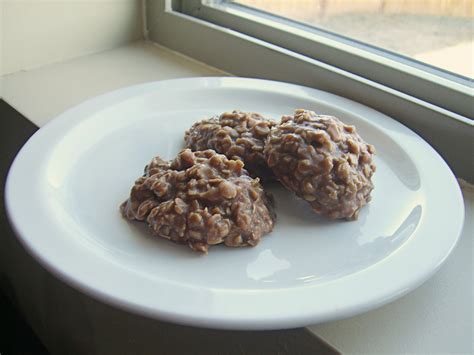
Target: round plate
{"x": 65, "y": 186}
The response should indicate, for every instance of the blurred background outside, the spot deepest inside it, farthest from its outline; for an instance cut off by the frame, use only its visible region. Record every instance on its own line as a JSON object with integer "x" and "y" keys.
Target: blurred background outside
{"x": 436, "y": 32}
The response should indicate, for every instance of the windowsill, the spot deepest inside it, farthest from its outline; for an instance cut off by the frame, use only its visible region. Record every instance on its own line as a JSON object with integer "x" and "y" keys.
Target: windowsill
{"x": 43, "y": 93}
{"x": 434, "y": 318}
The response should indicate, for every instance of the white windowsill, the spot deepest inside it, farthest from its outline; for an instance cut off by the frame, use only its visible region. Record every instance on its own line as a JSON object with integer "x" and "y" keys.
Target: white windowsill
{"x": 43, "y": 93}
{"x": 437, "y": 317}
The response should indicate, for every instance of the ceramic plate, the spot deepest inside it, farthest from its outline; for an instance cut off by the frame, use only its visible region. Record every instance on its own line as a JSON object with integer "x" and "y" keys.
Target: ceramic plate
{"x": 65, "y": 186}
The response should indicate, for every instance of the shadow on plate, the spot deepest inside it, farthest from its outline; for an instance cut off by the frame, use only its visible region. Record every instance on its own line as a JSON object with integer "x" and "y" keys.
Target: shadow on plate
{"x": 290, "y": 207}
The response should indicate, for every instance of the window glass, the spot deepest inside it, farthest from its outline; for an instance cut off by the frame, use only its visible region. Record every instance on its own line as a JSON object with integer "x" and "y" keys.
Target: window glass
{"x": 436, "y": 32}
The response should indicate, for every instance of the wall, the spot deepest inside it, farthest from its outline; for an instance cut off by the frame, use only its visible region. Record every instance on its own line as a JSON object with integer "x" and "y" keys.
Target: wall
{"x": 40, "y": 32}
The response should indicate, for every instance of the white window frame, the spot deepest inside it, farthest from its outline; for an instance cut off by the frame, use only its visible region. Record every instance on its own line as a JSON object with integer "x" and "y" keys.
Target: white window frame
{"x": 246, "y": 43}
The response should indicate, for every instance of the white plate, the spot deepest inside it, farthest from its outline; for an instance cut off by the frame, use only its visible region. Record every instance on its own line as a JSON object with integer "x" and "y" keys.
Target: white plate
{"x": 65, "y": 186}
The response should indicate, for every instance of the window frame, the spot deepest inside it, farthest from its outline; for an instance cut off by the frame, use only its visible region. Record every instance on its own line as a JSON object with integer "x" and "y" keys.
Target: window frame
{"x": 412, "y": 77}
{"x": 185, "y": 26}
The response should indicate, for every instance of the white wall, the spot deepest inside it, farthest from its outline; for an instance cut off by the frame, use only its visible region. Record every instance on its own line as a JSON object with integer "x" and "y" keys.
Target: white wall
{"x": 39, "y": 32}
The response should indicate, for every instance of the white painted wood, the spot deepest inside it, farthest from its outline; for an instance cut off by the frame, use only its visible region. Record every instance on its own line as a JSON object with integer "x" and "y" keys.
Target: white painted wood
{"x": 43, "y": 93}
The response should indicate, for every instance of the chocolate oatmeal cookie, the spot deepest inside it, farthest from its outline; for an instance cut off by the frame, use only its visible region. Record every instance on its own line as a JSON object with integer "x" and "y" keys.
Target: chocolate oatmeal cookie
{"x": 237, "y": 135}
{"x": 200, "y": 199}
{"x": 323, "y": 161}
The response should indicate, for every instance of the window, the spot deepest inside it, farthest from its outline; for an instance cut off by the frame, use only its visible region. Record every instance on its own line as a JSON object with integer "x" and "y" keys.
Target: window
{"x": 246, "y": 41}
{"x": 435, "y": 32}
{"x": 438, "y": 87}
